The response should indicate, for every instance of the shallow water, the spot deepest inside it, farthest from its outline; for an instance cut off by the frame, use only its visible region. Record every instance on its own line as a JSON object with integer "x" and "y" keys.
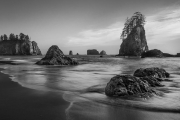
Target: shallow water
{"x": 83, "y": 86}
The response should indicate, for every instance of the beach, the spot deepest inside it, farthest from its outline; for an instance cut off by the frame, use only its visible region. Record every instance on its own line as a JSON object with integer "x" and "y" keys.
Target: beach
{"x": 32, "y": 92}
{"x": 19, "y": 103}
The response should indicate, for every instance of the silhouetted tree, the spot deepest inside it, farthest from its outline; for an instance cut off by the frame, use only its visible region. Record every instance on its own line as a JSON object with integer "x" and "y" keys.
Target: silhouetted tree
{"x": 2, "y": 38}
{"x": 21, "y": 36}
{"x": 17, "y": 37}
{"x": 136, "y": 20}
{"x": 12, "y": 36}
{"x": 27, "y": 38}
{"x": 5, "y": 37}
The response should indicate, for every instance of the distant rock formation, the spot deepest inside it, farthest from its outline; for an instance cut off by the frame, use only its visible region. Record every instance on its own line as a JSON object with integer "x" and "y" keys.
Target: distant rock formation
{"x": 178, "y": 55}
{"x": 55, "y": 56}
{"x": 92, "y": 52}
{"x": 139, "y": 84}
{"x": 135, "y": 43}
{"x": 19, "y": 47}
{"x": 152, "y": 53}
{"x": 70, "y": 52}
{"x": 103, "y": 52}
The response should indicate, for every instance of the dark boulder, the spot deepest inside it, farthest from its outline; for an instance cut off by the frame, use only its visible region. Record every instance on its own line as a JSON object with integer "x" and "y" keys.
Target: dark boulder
{"x": 55, "y": 56}
{"x": 92, "y": 52}
{"x": 122, "y": 85}
{"x": 153, "y": 72}
{"x": 152, "y": 53}
{"x": 103, "y": 52}
{"x": 135, "y": 43}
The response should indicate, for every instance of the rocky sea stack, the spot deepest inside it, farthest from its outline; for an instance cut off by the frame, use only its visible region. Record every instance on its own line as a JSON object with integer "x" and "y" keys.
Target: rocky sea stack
{"x": 133, "y": 36}
{"x": 70, "y": 52}
{"x": 141, "y": 83}
{"x": 103, "y": 52}
{"x": 19, "y": 47}
{"x": 55, "y": 56}
{"x": 92, "y": 52}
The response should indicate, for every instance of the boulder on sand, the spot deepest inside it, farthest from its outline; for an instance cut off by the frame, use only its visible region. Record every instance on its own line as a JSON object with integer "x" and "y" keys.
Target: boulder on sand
{"x": 122, "y": 85}
{"x": 55, "y": 56}
{"x": 139, "y": 84}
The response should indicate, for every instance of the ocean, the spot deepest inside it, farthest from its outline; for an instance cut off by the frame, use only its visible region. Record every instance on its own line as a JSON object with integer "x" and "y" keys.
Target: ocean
{"x": 83, "y": 86}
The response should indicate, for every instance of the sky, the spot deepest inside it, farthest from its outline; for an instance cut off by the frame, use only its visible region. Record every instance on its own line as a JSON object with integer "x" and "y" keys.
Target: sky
{"x": 79, "y": 25}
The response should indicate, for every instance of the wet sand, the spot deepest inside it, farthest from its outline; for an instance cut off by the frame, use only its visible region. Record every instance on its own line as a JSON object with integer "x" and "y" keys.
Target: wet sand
{"x": 19, "y": 103}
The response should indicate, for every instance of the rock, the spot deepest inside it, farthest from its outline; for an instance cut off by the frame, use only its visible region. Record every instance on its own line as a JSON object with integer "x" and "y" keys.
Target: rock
{"x": 153, "y": 72}
{"x": 178, "y": 55}
{"x": 70, "y": 52}
{"x": 77, "y": 54}
{"x": 103, "y": 52}
{"x": 152, "y": 53}
{"x": 122, "y": 85}
{"x": 55, "y": 56}
{"x": 135, "y": 43}
{"x": 92, "y": 52}
{"x": 19, "y": 47}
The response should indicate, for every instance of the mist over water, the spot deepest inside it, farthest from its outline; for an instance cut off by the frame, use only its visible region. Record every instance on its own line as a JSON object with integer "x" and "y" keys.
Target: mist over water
{"x": 83, "y": 86}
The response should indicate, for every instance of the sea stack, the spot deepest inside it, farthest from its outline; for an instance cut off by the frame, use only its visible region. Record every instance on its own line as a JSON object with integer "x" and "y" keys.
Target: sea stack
{"x": 92, "y": 52}
{"x": 55, "y": 56}
{"x": 19, "y": 47}
{"x": 70, "y": 52}
{"x": 103, "y": 52}
{"x": 133, "y": 36}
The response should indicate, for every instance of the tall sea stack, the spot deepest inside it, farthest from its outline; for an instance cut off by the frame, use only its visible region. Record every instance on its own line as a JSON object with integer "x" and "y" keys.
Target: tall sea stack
{"x": 133, "y": 37}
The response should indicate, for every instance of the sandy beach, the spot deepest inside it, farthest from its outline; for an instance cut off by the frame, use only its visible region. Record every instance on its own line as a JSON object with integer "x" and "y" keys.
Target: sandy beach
{"x": 19, "y": 103}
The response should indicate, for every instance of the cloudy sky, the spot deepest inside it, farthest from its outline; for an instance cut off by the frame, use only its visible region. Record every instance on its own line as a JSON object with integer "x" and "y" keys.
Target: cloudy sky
{"x": 79, "y": 25}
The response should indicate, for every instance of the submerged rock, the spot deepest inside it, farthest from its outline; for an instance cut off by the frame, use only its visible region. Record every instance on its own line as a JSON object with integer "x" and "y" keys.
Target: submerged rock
{"x": 92, "y": 52}
{"x": 153, "y": 72}
{"x": 19, "y": 47}
{"x": 55, "y": 56}
{"x": 135, "y": 43}
{"x": 122, "y": 85}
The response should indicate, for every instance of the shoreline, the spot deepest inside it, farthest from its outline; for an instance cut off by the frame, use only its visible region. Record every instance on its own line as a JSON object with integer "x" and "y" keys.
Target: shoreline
{"x": 20, "y": 103}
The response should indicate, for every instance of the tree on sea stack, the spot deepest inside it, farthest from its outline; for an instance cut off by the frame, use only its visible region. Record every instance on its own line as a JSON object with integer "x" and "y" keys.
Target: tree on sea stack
{"x": 133, "y": 36}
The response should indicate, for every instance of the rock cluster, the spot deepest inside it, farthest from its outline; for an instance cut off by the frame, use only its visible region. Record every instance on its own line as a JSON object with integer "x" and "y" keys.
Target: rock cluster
{"x": 141, "y": 83}
{"x": 92, "y": 52}
{"x": 135, "y": 43}
{"x": 19, "y": 47}
{"x": 55, "y": 56}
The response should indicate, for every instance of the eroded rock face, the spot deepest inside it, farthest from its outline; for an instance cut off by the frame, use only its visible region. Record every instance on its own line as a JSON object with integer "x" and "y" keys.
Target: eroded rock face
{"x": 135, "y": 43}
{"x": 153, "y": 72}
{"x": 103, "y": 52}
{"x": 55, "y": 56}
{"x": 122, "y": 85}
{"x": 19, "y": 47}
{"x": 92, "y": 52}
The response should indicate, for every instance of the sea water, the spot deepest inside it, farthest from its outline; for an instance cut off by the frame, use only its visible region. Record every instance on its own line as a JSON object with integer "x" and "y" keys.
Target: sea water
{"x": 83, "y": 86}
